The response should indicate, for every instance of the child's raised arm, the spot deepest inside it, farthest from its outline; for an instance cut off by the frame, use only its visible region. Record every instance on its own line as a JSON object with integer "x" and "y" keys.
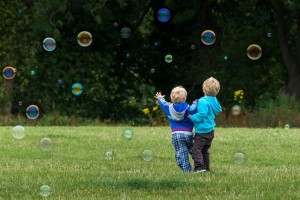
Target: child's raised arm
{"x": 162, "y": 102}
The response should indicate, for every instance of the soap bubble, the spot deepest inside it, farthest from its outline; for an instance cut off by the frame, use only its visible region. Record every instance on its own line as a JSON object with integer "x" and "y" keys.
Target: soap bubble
{"x": 45, "y": 190}
{"x": 49, "y": 44}
{"x": 208, "y": 37}
{"x": 20, "y": 11}
{"x": 32, "y": 72}
{"x": 168, "y": 58}
{"x": 269, "y": 35}
{"x": 239, "y": 158}
{"x": 9, "y": 72}
{"x": 287, "y": 126}
{"x": 193, "y": 46}
{"x": 236, "y": 110}
{"x": 59, "y": 81}
{"x": 84, "y": 38}
{"x": 147, "y": 155}
{"x": 163, "y": 15}
{"x": 127, "y": 134}
{"x": 225, "y": 57}
{"x": 46, "y": 144}
{"x": 18, "y": 132}
{"x": 77, "y": 89}
{"x": 152, "y": 70}
{"x": 254, "y": 52}
{"x": 109, "y": 155}
{"x": 125, "y": 32}
{"x": 20, "y": 103}
{"x": 32, "y": 112}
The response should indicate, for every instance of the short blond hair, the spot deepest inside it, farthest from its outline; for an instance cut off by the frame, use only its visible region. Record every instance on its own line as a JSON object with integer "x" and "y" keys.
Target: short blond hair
{"x": 178, "y": 95}
{"x": 211, "y": 87}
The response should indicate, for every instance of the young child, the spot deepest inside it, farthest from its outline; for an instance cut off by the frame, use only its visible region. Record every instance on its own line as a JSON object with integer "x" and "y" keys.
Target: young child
{"x": 204, "y": 122}
{"x": 181, "y": 126}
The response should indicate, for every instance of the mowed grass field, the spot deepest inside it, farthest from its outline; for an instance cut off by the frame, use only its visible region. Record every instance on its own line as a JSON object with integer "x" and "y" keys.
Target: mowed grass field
{"x": 76, "y": 166}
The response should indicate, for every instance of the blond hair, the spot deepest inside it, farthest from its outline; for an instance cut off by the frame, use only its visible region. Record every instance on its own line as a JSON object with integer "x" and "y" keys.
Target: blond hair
{"x": 211, "y": 87}
{"x": 178, "y": 95}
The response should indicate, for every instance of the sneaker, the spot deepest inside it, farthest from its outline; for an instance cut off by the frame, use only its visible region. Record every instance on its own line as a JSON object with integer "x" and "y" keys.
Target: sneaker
{"x": 199, "y": 170}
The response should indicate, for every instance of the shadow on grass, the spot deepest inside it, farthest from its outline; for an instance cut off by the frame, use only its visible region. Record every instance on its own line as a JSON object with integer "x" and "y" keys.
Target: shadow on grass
{"x": 143, "y": 184}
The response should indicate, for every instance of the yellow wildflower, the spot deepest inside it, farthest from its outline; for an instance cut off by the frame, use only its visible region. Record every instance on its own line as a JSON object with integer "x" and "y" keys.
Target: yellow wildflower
{"x": 146, "y": 111}
{"x": 155, "y": 108}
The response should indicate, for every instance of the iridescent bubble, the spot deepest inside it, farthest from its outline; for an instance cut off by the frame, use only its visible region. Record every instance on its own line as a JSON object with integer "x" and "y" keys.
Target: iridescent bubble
{"x": 125, "y": 32}
{"x": 20, "y": 11}
{"x": 239, "y": 158}
{"x": 254, "y": 52}
{"x": 77, "y": 89}
{"x": 269, "y": 35}
{"x": 163, "y": 15}
{"x": 109, "y": 155}
{"x": 59, "y": 81}
{"x": 46, "y": 144}
{"x": 147, "y": 155}
{"x": 127, "y": 134}
{"x": 45, "y": 190}
{"x": 49, "y": 44}
{"x": 32, "y": 112}
{"x": 193, "y": 46}
{"x": 32, "y": 72}
{"x": 116, "y": 24}
{"x": 20, "y": 103}
{"x": 225, "y": 57}
{"x": 168, "y": 58}
{"x": 84, "y": 38}
{"x": 208, "y": 37}
{"x": 236, "y": 110}
{"x": 287, "y": 126}
{"x": 152, "y": 70}
{"x": 18, "y": 132}
{"x": 9, "y": 72}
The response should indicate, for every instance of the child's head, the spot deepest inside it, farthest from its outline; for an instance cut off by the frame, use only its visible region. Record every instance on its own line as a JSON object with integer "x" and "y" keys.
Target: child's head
{"x": 211, "y": 87}
{"x": 178, "y": 95}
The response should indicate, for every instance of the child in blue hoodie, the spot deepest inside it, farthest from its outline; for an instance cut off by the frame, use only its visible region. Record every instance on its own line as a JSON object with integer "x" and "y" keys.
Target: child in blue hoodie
{"x": 181, "y": 126}
{"x": 204, "y": 122}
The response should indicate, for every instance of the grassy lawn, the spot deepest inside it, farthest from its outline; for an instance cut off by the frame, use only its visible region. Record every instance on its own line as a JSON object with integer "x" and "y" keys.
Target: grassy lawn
{"x": 76, "y": 166}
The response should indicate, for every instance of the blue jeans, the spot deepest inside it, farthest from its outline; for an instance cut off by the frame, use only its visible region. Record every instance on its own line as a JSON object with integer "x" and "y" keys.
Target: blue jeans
{"x": 183, "y": 144}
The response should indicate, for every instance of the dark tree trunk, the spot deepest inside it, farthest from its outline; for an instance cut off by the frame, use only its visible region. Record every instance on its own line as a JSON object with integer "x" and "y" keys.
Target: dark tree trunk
{"x": 292, "y": 61}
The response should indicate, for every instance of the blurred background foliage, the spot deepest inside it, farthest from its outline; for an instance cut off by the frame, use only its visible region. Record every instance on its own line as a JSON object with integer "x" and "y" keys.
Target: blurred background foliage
{"x": 121, "y": 75}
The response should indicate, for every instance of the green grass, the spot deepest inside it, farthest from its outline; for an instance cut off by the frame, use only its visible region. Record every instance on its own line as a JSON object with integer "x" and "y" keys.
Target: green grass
{"x": 76, "y": 167}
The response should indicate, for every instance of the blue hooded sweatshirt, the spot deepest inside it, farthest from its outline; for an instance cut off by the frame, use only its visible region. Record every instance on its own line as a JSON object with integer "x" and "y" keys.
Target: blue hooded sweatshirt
{"x": 204, "y": 119}
{"x": 177, "y": 115}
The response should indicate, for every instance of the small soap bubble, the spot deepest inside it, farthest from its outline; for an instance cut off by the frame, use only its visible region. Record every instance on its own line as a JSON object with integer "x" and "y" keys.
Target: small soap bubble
{"x": 168, "y": 58}
{"x": 32, "y": 72}
{"x": 20, "y": 103}
{"x": 152, "y": 70}
{"x": 9, "y": 72}
{"x": 147, "y": 155}
{"x": 20, "y": 11}
{"x": 84, "y": 38}
{"x": 239, "y": 158}
{"x": 46, "y": 144}
{"x": 18, "y": 132}
{"x": 125, "y": 32}
{"x": 59, "y": 81}
{"x": 193, "y": 46}
{"x": 116, "y": 24}
{"x": 109, "y": 155}
{"x": 49, "y": 44}
{"x": 254, "y": 52}
{"x": 269, "y": 35}
{"x": 287, "y": 126}
{"x": 163, "y": 15}
{"x": 225, "y": 57}
{"x": 77, "y": 89}
{"x": 32, "y": 112}
{"x": 208, "y": 37}
{"x": 236, "y": 110}
{"x": 127, "y": 134}
{"x": 45, "y": 190}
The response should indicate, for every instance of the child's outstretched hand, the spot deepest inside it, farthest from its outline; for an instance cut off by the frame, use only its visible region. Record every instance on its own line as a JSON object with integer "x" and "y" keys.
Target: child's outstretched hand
{"x": 158, "y": 95}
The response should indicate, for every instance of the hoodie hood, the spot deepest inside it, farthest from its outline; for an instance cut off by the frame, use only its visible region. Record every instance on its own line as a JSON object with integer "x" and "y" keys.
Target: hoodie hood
{"x": 177, "y": 111}
{"x": 215, "y": 105}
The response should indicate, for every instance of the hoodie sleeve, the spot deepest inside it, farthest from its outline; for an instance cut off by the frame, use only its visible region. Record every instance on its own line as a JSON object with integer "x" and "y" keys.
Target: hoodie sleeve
{"x": 164, "y": 104}
{"x": 202, "y": 110}
{"x": 193, "y": 108}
